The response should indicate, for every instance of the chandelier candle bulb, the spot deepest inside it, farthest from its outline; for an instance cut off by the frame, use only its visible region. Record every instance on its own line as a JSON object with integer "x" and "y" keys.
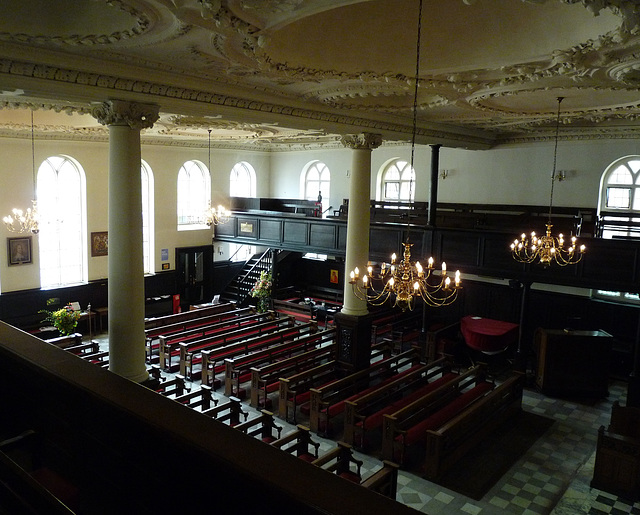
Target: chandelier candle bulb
{"x": 405, "y": 283}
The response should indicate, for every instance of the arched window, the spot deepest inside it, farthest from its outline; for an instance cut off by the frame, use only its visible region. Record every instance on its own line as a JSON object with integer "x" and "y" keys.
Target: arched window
{"x": 194, "y": 195}
{"x": 242, "y": 182}
{"x": 619, "y": 211}
{"x": 147, "y": 217}
{"x": 619, "y": 200}
{"x": 61, "y": 193}
{"x": 398, "y": 182}
{"x": 317, "y": 181}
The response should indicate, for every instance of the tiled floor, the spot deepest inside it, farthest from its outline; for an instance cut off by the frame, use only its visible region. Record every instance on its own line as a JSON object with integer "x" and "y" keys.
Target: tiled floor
{"x": 552, "y": 477}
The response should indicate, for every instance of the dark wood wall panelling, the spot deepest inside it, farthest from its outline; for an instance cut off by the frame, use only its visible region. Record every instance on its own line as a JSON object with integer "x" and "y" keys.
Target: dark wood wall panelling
{"x": 20, "y": 308}
{"x": 608, "y": 264}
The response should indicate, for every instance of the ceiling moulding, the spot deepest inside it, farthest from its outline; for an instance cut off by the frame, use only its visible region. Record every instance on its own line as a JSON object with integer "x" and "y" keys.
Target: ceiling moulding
{"x": 149, "y": 92}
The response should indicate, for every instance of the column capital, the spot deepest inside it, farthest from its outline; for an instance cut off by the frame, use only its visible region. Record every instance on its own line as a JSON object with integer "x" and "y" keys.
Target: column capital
{"x": 121, "y": 112}
{"x": 362, "y": 141}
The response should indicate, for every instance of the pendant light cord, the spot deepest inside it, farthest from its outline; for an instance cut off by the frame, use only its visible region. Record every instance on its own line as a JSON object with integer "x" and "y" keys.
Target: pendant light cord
{"x": 33, "y": 158}
{"x": 415, "y": 117}
{"x": 555, "y": 157}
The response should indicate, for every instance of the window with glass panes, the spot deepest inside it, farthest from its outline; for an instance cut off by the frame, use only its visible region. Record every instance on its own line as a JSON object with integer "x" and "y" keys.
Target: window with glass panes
{"x": 194, "y": 195}
{"x": 398, "y": 182}
{"x": 62, "y": 242}
{"x": 317, "y": 182}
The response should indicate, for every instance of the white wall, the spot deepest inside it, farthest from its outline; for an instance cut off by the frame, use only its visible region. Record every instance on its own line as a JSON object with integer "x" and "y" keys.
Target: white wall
{"x": 16, "y": 190}
{"x": 514, "y": 174}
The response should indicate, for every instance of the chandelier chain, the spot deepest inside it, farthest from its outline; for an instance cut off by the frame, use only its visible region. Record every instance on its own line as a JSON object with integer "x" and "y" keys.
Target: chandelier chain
{"x": 555, "y": 157}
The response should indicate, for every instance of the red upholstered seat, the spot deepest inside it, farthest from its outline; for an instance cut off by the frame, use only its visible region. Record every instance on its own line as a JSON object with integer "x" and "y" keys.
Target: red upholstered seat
{"x": 441, "y": 417}
{"x": 488, "y": 335}
{"x": 375, "y": 420}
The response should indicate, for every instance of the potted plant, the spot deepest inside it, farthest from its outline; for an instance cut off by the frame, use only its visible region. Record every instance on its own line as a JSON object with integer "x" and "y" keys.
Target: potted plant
{"x": 64, "y": 319}
{"x": 262, "y": 291}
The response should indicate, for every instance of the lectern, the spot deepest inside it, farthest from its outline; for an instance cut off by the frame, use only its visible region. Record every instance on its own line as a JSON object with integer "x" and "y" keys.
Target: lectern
{"x": 573, "y": 363}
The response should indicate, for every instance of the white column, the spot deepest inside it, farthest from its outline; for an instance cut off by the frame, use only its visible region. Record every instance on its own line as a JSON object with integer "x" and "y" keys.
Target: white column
{"x": 126, "y": 270}
{"x": 357, "y": 250}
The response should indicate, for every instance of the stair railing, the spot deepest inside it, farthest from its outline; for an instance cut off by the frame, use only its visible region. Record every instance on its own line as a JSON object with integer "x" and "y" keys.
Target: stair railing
{"x": 248, "y": 277}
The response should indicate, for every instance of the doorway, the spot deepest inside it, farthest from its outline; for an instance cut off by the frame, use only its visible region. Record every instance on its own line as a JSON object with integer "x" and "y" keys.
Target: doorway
{"x": 194, "y": 267}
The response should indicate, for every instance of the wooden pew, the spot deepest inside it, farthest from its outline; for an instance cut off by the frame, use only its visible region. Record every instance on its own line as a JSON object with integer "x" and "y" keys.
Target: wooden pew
{"x": 385, "y": 321}
{"x": 263, "y": 426}
{"x": 408, "y": 424}
{"x": 446, "y": 444}
{"x": 155, "y": 322}
{"x": 202, "y": 398}
{"x": 97, "y": 358}
{"x": 169, "y": 343}
{"x": 299, "y": 443}
{"x": 228, "y": 412}
{"x": 175, "y": 386}
{"x": 191, "y": 352}
{"x": 442, "y": 340}
{"x": 84, "y": 348}
{"x": 301, "y": 312}
{"x": 365, "y": 412}
{"x": 152, "y": 334}
{"x": 617, "y": 463}
{"x": 62, "y": 342}
{"x": 265, "y": 377}
{"x": 294, "y": 390}
{"x": 342, "y": 462}
{"x": 269, "y": 378}
{"x": 213, "y": 360}
{"x": 328, "y": 401}
{"x": 237, "y": 368}
{"x": 385, "y": 480}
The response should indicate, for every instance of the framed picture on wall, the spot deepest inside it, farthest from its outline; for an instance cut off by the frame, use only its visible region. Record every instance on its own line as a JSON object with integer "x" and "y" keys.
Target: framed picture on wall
{"x": 19, "y": 250}
{"x": 99, "y": 243}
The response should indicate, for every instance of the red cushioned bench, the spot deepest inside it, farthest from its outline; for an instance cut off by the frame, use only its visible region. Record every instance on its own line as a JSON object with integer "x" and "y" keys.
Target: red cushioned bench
{"x": 190, "y": 351}
{"x": 265, "y": 376}
{"x": 409, "y": 425}
{"x": 373, "y": 399}
{"x": 328, "y": 402}
{"x": 448, "y": 441}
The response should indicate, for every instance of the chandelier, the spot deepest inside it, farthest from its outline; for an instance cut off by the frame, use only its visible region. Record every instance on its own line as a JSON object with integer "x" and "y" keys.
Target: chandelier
{"x": 548, "y": 248}
{"x": 219, "y": 215}
{"x": 213, "y": 216}
{"x": 26, "y": 221}
{"x": 406, "y": 281}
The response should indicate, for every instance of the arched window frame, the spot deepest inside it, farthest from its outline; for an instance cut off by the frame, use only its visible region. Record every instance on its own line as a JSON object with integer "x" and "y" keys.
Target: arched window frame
{"x": 397, "y": 182}
{"x": 148, "y": 217}
{"x": 314, "y": 179}
{"x": 242, "y": 183}
{"x": 619, "y": 212}
{"x": 242, "y": 180}
{"x": 62, "y": 199}
{"x": 194, "y": 195}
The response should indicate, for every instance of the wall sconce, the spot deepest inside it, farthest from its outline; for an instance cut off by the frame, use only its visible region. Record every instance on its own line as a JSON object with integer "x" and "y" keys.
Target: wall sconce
{"x": 561, "y": 175}
{"x": 444, "y": 174}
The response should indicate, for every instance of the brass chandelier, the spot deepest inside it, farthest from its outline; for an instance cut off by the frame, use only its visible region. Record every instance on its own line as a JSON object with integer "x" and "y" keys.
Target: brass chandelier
{"x": 26, "y": 221}
{"x": 406, "y": 281}
{"x": 547, "y": 249}
{"x": 219, "y": 215}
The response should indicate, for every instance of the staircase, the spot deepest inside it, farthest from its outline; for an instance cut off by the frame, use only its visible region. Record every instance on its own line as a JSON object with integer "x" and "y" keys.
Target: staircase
{"x": 239, "y": 289}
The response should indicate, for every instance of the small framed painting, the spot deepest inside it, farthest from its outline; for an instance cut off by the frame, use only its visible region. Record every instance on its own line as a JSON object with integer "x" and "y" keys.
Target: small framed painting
{"x": 19, "y": 250}
{"x": 99, "y": 243}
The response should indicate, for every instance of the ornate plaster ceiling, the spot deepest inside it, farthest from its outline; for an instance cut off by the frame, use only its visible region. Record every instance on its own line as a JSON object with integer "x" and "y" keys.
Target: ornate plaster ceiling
{"x": 298, "y": 72}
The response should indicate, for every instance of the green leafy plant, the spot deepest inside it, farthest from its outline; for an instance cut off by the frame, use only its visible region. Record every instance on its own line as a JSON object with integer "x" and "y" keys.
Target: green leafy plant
{"x": 64, "y": 319}
{"x": 262, "y": 291}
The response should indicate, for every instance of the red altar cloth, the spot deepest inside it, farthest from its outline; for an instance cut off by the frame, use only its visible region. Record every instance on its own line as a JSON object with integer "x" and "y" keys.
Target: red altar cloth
{"x": 488, "y": 335}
